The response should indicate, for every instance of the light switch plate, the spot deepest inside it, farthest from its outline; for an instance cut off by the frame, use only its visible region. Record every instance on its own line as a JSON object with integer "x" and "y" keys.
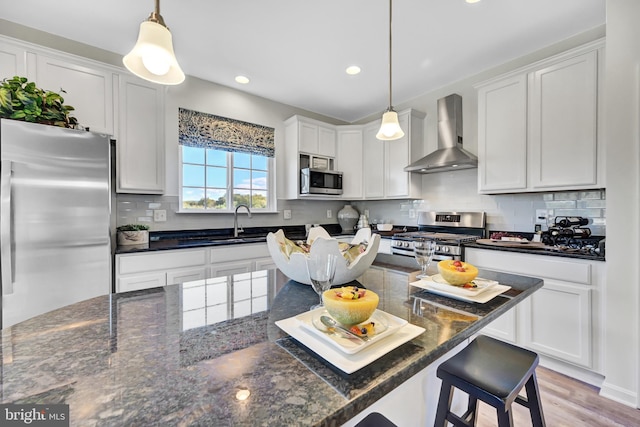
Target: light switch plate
{"x": 160, "y": 215}
{"x": 287, "y": 213}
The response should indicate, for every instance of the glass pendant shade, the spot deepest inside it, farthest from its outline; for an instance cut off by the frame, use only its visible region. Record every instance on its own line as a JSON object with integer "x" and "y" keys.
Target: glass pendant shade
{"x": 152, "y": 57}
{"x": 390, "y": 128}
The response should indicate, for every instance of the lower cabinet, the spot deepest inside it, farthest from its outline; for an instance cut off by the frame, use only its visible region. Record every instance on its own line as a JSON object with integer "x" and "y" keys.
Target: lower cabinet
{"x": 561, "y": 321}
{"x": 144, "y": 270}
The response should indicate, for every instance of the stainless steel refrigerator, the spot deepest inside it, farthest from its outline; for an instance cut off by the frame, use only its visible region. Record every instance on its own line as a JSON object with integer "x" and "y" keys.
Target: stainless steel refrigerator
{"x": 55, "y": 227}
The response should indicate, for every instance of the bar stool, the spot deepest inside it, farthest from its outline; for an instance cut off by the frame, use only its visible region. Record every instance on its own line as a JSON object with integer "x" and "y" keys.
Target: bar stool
{"x": 494, "y": 372}
{"x": 375, "y": 419}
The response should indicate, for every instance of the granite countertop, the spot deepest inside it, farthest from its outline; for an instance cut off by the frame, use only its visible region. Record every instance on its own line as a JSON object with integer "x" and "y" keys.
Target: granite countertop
{"x": 177, "y": 355}
{"x": 183, "y": 239}
{"x": 548, "y": 251}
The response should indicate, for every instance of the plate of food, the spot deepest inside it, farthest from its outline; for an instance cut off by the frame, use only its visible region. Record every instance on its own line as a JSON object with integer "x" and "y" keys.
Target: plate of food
{"x": 355, "y": 338}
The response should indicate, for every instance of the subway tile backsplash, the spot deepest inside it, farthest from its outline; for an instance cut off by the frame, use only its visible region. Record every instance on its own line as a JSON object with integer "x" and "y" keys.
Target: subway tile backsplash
{"x": 447, "y": 192}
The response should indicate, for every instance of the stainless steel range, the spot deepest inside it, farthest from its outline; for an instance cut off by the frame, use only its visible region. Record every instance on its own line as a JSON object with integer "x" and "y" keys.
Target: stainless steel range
{"x": 449, "y": 229}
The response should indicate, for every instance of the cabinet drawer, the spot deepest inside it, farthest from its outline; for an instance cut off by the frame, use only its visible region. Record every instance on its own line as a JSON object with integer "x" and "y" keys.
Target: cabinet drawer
{"x": 136, "y": 283}
{"x": 573, "y": 270}
{"x": 186, "y": 275}
{"x": 238, "y": 252}
{"x": 161, "y": 260}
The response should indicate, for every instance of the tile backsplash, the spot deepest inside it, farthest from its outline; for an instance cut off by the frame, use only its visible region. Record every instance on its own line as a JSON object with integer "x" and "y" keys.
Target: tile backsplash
{"x": 449, "y": 191}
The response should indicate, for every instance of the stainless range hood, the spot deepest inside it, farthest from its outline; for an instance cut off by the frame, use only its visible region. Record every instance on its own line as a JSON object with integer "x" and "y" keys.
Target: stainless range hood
{"x": 450, "y": 155}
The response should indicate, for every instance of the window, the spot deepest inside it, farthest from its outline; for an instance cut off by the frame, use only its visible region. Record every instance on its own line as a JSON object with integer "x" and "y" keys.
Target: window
{"x": 224, "y": 163}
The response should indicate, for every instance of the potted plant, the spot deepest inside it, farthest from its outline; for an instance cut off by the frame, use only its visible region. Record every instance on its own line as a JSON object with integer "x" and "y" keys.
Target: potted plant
{"x": 133, "y": 234}
{"x": 23, "y": 100}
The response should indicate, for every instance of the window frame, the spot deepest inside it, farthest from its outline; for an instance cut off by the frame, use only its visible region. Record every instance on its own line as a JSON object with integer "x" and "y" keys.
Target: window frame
{"x": 271, "y": 186}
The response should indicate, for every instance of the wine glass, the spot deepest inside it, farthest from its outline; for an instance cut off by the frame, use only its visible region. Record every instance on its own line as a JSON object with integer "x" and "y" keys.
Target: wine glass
{"x": 322, "y": 270}
{"x": 423, "y": 251}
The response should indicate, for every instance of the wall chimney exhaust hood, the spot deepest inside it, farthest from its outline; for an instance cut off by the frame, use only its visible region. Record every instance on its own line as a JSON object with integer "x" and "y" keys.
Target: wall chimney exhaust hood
{"x": 450, "y": 155}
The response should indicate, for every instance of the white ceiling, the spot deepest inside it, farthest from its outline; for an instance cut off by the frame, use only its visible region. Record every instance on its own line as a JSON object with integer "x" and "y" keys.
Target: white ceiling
{"x": 296, "y": 51}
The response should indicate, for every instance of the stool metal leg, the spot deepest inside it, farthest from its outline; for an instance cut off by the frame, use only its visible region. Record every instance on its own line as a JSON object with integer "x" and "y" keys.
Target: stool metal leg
{"x": 505, "y": 417}
{"x": 444, "y": 403}
{"x": 535, "y": 405}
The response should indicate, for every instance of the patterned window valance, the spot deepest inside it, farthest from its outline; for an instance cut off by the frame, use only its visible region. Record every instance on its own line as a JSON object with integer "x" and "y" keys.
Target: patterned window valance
{"x": 204, "y": 130}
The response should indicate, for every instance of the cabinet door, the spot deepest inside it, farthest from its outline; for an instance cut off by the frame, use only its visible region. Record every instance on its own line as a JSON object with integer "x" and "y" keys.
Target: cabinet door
{"x": 397, "y": 154}
{"x": 373, "y": 163}
{"x": 307, "y": 138}
{"x": 186, "y": 275}
{"x": 12, "y": 61}
{"x": 504, "y": 327}
{"x": 143, "y": 281}
{"x": 326, "y": 142}
{"x": 264, "y": 264}
{"x": 556, "y": 321}
{"x": 140, "y": 151}
{"x": 349, "y": 162}
{"x": 229, "y": 268}
{"x": 563, "y": 127}
{"x": 88, "y": 89}
{"x": 502, "y": 135}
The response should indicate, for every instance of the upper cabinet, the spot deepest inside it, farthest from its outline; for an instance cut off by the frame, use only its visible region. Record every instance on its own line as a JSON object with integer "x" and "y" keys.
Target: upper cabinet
{"x": 384, "y": 161}
{"x": 88, "y": 88}
{"x": 372, "y": 169}
{"x": 106, "y": 99}
{"x": 312, "y": 136}
{"x": 140, "y": 153}
{"x": 349, "y": 161}
{"x": 12, "y": 61}
{"x": 539, "y": 127}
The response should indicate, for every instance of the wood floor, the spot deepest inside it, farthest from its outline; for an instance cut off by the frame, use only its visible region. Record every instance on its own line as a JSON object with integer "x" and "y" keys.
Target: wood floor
{"x": 568, "y": 403}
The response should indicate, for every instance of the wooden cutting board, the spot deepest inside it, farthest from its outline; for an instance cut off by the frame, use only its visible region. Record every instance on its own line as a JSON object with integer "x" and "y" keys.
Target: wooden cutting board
{"x": 508, "y": 244}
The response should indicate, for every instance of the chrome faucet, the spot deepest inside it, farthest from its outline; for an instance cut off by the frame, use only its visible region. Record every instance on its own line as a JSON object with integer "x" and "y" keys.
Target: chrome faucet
{"x": 235, "y": 219}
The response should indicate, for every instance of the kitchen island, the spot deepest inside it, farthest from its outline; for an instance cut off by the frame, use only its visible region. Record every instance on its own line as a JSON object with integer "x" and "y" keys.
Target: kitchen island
{"x": 190, "y": 354}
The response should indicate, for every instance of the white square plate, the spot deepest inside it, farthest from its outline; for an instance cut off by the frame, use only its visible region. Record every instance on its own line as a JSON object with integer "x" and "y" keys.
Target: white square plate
{"x": 347, "y": 363}
{"x": 454, "y": 291}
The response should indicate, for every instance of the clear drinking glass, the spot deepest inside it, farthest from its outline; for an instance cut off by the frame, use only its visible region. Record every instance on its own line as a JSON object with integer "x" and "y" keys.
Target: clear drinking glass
{"x": 423, "y": 251}
{"x": 322, "y": 270}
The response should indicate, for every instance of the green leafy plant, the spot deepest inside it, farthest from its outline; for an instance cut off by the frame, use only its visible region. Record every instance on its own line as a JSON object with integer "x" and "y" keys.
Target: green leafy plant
{"x": 23, "y": 100}
{"x": 133, "y": 227}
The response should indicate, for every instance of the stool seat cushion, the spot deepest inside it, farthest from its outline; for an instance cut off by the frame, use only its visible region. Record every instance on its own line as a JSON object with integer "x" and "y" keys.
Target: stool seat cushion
{"x": 495, "y": 366}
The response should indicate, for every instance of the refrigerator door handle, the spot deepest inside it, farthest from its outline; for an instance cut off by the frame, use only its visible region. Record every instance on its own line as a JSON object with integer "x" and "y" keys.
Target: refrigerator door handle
{"x": 5, "y": 228}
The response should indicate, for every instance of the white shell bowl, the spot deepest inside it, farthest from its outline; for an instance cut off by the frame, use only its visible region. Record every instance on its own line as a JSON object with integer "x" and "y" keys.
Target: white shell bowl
{"x": 296, "y": 266}
{"x": 384, "y": 227}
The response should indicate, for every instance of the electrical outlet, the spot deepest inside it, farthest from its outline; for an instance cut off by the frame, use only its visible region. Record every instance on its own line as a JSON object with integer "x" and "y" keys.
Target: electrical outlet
{"x": 541, "y": 216}
{"x": 366, "y": 213}
{"x": 160, "y": 215}
{"x": 329, "y": 214}
{"x": 287, "y": 214}
{"x": 412, "y": 213}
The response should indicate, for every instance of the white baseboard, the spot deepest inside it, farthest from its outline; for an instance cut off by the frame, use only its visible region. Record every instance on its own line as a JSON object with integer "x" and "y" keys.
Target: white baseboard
{"x": 619, "y": 394}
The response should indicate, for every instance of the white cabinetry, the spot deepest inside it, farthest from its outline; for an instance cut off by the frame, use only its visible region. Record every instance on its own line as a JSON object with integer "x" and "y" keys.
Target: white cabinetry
{"x": 107, "y": 100}
{"x": 539, "y": 127}
{"x": 305, "y": 139}
{"x": 12, "y": 60}
{"x": 561, "y": 321}
{"x": 144, "y": 270}
{"x": 384, "y": 161}
{"x": 88, "y": 88}
{"x": 140, "y": 139}
{"x": 349, "y": 160}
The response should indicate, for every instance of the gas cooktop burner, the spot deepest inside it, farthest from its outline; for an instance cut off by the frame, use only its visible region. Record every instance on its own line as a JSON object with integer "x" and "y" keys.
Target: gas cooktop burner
{"x": 439, "y": 237}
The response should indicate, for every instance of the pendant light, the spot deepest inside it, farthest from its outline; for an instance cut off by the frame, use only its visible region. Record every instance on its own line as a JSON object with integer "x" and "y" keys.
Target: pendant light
{"x": 152, "y": 57}
{"x": 390, "y": 128}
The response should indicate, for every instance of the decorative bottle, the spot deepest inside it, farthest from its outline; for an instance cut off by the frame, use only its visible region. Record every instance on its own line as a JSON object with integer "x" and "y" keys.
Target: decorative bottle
{"x": 348, "y": 218}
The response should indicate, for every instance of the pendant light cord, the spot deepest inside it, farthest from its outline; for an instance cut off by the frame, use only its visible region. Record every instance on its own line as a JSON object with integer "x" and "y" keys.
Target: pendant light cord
{"x": 390, "y": 53}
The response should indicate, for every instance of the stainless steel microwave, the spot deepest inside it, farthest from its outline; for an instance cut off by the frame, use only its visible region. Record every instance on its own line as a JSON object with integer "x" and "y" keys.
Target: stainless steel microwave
{"x": 320, "y": 181}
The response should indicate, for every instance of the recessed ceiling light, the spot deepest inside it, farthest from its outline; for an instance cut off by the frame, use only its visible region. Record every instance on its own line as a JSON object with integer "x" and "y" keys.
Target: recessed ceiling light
{"x": 472, "y": 1}
{"x": 242, "y": 79}
{"x": 353, "y": 70}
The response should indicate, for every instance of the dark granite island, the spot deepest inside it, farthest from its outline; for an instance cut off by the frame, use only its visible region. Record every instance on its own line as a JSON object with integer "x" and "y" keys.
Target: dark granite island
{"x": 179, "y": 355}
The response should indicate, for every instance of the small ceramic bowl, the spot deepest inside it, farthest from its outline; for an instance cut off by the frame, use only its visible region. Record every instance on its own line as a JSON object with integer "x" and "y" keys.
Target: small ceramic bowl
{"x": 384, "y": 227}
